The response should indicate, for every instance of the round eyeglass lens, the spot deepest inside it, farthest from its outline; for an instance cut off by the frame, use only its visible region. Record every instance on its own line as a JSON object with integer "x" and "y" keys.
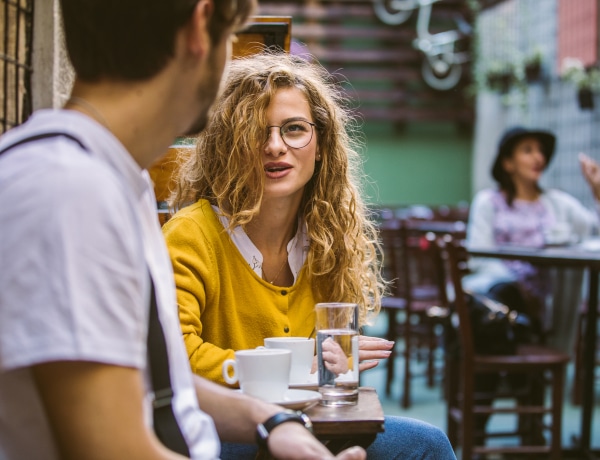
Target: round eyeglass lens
{"x": 297, "y": 133}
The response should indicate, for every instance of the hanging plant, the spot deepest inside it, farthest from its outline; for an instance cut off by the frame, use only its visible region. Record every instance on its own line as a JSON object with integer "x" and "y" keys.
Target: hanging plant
{"x": 532, "y": 66}
{"x": 586, "y": 80}
{"x": 500, "y": 77}
{"x": 585, "y": 97}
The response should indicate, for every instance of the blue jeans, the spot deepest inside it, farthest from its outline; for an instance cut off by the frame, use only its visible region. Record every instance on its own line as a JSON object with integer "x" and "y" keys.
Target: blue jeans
{"x": 403, "y": 439}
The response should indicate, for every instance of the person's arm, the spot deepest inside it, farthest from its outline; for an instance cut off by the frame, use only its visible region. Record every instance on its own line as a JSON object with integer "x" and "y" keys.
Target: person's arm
{"x": 568, "y": 209}
{"x": 591, "y": 172}
{"x": 195, "y": 270}
{"x": 236, "y": 417}
{"x": 480, "y": 230}
{"x": 96, "y": 411}
{"x": 480, "y": 233}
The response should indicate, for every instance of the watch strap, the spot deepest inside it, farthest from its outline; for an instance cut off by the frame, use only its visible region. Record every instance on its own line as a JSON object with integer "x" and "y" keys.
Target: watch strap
{"x": 263, "y": 429}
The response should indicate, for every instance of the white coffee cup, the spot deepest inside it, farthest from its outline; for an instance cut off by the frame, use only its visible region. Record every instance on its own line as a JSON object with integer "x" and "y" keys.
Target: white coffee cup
{"x": 303, "y": 352}
{"x": 559, "y": 233}
{"x": 261, "y": 373}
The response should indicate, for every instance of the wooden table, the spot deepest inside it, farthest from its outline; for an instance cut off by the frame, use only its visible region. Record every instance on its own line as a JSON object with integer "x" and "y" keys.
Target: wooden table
{"x": 571, "y": 256}
{"x": 346, "y": 426}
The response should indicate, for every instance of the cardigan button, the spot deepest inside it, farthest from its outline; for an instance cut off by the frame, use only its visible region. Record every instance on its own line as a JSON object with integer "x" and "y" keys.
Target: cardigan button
{"x": 284, "y": 292}
{"x": 286, "y": 329}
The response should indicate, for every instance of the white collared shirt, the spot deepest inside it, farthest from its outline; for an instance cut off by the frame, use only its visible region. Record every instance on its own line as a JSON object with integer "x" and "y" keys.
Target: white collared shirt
{"x": 297, "y": 247}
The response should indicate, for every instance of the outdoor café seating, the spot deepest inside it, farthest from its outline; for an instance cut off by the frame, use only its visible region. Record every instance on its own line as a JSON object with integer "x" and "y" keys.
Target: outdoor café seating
{"x": 465, "y": 402}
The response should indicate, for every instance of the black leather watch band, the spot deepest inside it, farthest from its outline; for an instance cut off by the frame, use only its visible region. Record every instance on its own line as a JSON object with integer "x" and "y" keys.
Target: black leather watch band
{"x": 263, "y": 429}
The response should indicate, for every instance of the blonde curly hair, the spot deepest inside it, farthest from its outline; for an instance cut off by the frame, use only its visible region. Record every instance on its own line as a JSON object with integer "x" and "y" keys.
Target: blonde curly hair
{"x": 342, "y": 261}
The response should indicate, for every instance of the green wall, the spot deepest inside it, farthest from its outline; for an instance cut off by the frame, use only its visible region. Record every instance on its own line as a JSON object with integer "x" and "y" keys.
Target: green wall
{"x": 418, "y": 164}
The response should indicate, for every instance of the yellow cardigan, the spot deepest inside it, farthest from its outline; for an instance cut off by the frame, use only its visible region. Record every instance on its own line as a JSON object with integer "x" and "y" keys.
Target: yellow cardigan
{"x": 223, "y": 305}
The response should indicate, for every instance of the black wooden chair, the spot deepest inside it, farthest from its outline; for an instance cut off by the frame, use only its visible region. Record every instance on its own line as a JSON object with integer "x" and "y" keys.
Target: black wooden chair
{"x": 464, "y": 404}
{"x": 416, "y": 288}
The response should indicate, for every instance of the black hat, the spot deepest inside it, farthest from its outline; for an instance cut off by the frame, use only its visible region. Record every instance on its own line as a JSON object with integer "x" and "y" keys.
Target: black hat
{"x": 510, "y": 138}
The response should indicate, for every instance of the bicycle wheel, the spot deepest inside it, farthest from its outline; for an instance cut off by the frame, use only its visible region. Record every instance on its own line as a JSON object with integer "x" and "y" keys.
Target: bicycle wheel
{"x": 394, "y": 12}
{"x": 441, "y": 81}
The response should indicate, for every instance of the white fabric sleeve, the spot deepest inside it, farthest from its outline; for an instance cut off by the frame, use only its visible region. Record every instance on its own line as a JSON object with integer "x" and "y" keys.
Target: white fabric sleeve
{"x": 485, "y": 272}
{"x": 567, "y": 208}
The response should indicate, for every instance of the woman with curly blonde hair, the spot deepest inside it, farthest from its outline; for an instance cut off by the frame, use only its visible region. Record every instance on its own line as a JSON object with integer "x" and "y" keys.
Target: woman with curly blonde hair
{"x": 276, "y": 165}
{"x": 271, "y": 221}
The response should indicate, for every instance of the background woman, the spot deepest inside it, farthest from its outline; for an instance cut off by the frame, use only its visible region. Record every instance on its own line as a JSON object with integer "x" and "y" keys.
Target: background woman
{"x": 520, "y": 212}
{"x": 277, "y": 224}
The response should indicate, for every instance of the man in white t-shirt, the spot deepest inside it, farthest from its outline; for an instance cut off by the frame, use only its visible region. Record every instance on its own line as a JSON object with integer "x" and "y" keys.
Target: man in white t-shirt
{"x": 79, "y": 237}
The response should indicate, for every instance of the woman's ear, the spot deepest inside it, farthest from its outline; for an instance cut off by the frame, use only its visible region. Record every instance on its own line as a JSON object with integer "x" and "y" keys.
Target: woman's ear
{"x": 508, "y": 165}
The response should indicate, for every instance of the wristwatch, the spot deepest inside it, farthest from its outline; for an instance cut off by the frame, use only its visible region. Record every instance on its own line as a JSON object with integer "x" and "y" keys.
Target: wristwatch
{"x": 263, "y": 429}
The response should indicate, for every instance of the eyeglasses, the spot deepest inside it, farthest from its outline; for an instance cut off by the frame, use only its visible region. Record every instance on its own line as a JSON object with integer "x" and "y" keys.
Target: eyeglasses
{"x": 295, "y": 133}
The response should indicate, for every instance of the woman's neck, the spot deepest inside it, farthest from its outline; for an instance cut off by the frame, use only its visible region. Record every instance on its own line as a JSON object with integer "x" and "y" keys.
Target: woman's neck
{"x": 527, "y": 191}
{"x": 272, "y": 229}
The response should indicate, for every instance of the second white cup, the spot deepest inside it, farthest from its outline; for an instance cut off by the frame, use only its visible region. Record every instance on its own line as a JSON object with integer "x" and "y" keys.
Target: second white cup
{"x": 303, "y": 352}
{"x": 261, "y": 373}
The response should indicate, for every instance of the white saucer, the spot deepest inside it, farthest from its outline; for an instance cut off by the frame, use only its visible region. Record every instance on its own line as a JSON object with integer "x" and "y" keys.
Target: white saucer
{"x": 299, "y": 399}
{"x": 310, "y": 382}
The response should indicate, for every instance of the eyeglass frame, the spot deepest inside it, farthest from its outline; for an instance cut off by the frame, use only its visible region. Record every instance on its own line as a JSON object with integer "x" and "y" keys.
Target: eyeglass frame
{"x": 312, "y": 132}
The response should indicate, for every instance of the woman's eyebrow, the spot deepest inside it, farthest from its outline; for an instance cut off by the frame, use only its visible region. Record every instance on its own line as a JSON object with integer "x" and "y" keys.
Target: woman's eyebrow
{"x": 287, "y": 120}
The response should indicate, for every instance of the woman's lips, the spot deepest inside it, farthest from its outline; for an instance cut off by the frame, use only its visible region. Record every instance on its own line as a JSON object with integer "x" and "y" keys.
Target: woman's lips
{"x": 277, "y": 170}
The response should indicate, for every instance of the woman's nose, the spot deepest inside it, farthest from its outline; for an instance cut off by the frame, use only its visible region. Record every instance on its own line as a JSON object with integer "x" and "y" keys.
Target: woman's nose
{"x": 275, "y": 144}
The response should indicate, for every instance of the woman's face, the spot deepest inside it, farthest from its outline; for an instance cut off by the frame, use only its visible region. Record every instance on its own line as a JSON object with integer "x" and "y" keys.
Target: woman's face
{"x": 527, "y": 162}
{"x": 288, "y": 168}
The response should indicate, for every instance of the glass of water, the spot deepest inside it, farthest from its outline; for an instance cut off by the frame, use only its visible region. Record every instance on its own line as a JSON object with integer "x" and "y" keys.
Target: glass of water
{"x": 337, "y": 352}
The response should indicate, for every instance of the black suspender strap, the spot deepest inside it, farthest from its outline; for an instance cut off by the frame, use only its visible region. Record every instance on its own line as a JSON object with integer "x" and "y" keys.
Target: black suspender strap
{"x": 43, "y": 136}
{"x": 165, "y": 423}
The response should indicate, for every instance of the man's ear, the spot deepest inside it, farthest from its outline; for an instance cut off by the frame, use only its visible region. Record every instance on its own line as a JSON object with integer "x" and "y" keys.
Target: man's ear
{"x": 198, "y": 39}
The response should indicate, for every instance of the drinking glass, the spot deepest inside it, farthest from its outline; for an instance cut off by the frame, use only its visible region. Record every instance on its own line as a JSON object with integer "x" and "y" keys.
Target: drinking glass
{"x": 337, "y": 352}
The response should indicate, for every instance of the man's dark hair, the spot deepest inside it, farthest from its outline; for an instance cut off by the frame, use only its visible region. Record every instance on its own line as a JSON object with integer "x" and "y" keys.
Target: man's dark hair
{"x": 134, "y": 39}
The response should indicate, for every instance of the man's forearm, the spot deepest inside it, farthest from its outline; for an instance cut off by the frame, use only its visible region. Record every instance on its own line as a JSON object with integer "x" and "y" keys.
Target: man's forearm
{"x": 235, "y": 415}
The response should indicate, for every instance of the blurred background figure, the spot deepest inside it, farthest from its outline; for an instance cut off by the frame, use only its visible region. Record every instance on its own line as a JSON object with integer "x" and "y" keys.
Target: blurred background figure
{"x": 520, "y": 212}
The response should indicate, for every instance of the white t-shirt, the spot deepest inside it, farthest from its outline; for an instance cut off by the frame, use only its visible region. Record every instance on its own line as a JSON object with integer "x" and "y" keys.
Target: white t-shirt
{"x": 78, "y": 232}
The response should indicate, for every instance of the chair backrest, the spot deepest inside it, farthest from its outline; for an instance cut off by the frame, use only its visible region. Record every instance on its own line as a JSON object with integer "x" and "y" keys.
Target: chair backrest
{"x": 457, "y": 267}
{"x": 411, "y": 259}
{"x": 395, "y": 269}
{"x": 262, "y": 32}
{"x": 164, "y": 173}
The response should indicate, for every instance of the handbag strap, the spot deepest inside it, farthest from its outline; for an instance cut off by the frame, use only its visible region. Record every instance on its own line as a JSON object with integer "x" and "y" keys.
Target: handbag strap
{"x": 38, "y": 137}
{"x": 165, "y": 423}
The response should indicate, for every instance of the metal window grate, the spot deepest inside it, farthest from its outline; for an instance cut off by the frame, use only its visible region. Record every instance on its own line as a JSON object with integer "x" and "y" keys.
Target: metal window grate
{"x": 16, "y": 24}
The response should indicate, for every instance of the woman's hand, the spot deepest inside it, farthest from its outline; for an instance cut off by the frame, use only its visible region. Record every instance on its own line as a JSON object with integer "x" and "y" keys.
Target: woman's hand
{"x": 371, "y": 350}
{"x": 591, "y": 172}
{"x": 334, "y": 358}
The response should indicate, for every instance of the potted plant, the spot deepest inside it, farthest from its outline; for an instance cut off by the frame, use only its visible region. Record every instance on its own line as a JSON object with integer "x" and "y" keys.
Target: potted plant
{"x": 500, "y": 77}
{"x": 533, "y": 66}
{"x": 586, "y": 80}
